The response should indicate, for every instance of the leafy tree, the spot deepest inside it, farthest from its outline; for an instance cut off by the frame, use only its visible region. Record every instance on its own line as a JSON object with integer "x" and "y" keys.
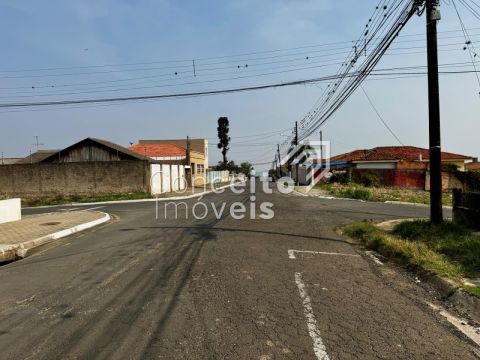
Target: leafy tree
{"x": 223, "y": 138}
{"x": 245, "y": 168}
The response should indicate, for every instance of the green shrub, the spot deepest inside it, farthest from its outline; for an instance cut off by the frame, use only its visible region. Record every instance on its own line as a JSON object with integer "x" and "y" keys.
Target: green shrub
{"x": 368, "y": 180}
{"x": 339, "y": 177}
{"x": 361, "y": 231}
{"x": 424, "y": 229}
{"x": 357, "y": 193}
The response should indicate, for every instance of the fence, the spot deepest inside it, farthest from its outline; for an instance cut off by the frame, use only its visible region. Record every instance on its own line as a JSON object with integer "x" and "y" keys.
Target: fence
{"x": 217, "y": 176}
{"x": 466, "y": 208}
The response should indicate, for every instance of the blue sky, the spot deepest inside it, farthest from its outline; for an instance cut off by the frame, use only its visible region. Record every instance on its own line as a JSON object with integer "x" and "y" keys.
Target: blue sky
{"x": 167, "y": 34}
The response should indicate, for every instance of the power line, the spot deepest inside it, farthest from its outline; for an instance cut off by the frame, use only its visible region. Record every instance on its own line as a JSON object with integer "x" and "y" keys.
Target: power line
{"x": 380, "y": 116}
{"x": 204, "y": 93}
{"x": 186, "y": 63}
{"x": 468, "y": 42}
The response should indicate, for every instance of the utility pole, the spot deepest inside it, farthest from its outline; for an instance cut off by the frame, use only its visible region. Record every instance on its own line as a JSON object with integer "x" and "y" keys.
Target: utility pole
{"x": 436, "y": 211}
{"x": 296, "y": 153}
{"x": 279, "y": 162}
{"x": 321, "y": 149}
{"x": 188, "y": 163}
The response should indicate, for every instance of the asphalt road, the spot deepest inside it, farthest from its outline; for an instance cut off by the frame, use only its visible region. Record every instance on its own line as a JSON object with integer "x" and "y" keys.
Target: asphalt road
{"x": 146, "y": 288}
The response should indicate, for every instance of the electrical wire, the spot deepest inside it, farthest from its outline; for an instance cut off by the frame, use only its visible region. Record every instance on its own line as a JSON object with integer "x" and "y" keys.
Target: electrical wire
{"x": 468, "y": 43}
{"x": 380, "y": 116}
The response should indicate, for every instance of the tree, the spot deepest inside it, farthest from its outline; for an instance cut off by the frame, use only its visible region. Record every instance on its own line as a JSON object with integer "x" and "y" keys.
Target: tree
{"x": 246, "y": 168}
{"x": 223, "y": 138}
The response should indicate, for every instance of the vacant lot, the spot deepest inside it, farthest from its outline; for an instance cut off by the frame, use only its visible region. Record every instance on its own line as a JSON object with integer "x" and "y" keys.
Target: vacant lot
{"x": 382, "y": 194}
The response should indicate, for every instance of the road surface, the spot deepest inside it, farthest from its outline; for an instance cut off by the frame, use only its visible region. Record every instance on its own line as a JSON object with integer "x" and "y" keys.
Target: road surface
{"x": 146, "y": 288}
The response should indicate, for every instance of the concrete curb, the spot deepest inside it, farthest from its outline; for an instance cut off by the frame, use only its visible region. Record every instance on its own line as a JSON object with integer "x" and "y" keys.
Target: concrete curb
{"x": 467, "y": 303}
{"x": 22, "y": 250}
{"x": 173, "y": 198}
{"x": 450, "y": 291}
{"x": 325, "y": 197}
{"x": 413, "y": 204}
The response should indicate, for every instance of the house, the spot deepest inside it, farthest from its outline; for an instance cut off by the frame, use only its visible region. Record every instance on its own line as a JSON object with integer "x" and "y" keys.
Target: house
{"x": 176, "y": 149}
{"x": 93, "y": 149}
{"x": 9, "y": 161}
{"x": 197, "y": 145}
{"x": 160, "y": 152}
{"x": 37, "y": 156}
{"x": 399, "y": 166}
{"x": 473, "y": 166}
{"x": 88, "y": 167}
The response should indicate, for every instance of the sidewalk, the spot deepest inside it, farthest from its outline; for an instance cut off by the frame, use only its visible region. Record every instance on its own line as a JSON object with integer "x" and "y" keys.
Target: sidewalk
{"x": 17, "y": 238}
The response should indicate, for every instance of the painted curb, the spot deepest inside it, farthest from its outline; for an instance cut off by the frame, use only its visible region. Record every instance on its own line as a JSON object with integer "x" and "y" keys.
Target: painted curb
{"x": 22, "y": 250}
{"x": 467, "y": 303}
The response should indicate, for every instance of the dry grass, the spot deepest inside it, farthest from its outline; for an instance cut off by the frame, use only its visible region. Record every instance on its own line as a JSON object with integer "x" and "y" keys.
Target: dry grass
{"x": 381, "y": 194}
{"x": 447, "y": 250}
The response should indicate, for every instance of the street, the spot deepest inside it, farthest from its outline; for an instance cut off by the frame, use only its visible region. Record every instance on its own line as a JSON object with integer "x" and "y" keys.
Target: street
{"x": 144, "y": 288}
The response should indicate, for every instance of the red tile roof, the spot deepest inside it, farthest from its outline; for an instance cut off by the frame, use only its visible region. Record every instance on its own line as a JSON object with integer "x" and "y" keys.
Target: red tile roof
{"x": 158, "y": 150}
{"x": 473, "y": 166}
{"x": 351, "y": 156}
{"x": 382, "y": 153}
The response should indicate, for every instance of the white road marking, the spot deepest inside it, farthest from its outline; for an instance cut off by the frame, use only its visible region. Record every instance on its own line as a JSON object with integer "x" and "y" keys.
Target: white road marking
{"x": 469, "y": 331}
{"x": 318, "y": 346}
{"x": 68, "y": 209}
{"x": 94, "y": 208}
{"x": 291, "y": 253}
{"x": 374, "y": 258}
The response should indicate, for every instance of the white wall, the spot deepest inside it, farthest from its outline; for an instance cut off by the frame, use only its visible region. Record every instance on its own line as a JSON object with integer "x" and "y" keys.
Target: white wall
{"x": 167, "y": 178}
{"x": 10, "y": 210}
{"x": 156, "y": 179}
{"x": 376, "y": 165}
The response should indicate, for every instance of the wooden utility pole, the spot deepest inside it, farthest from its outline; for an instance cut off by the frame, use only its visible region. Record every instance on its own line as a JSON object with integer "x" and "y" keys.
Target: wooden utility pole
{"x": 436, "y": 211}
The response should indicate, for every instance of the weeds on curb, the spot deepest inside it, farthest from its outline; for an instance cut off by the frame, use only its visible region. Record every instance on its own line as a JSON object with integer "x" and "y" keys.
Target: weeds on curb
{"x": 447, "y": 250}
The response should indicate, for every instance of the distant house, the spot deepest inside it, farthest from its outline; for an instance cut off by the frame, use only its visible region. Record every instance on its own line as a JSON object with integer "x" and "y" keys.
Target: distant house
{"x": 197, "y": 145}
{"x": 88, "y": 167}
{"x": 9, "y": 161}
{"x": 37, "y": 156}
{"x": 160, "y": 152}
{"x": 86, "y": 150}
{"x": 399, "y": 166}
{"x": 168, "y": 150}
{"x": 473, "y": 166}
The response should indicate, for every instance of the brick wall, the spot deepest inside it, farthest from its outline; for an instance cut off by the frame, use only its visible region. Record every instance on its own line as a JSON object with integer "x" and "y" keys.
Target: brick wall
{"x": 413, "y": 179}
{"x": 83, "y": 178}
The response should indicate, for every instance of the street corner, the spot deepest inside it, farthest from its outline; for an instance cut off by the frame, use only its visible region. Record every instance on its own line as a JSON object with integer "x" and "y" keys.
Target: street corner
{"x": 20, "y": 237}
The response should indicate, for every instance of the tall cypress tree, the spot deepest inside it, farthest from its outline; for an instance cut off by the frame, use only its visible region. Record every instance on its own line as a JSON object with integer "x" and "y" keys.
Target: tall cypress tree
{"x": 223, "y": 138}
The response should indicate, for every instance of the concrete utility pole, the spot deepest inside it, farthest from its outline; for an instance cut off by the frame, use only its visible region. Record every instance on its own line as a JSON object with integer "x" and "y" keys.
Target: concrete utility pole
{"x": 436, "y": 211}
{"x": 188, "y": 163}
{"x": 279, "y": 162}
{"x": 296, "y": 153}
{"x": 321, "y": 149}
